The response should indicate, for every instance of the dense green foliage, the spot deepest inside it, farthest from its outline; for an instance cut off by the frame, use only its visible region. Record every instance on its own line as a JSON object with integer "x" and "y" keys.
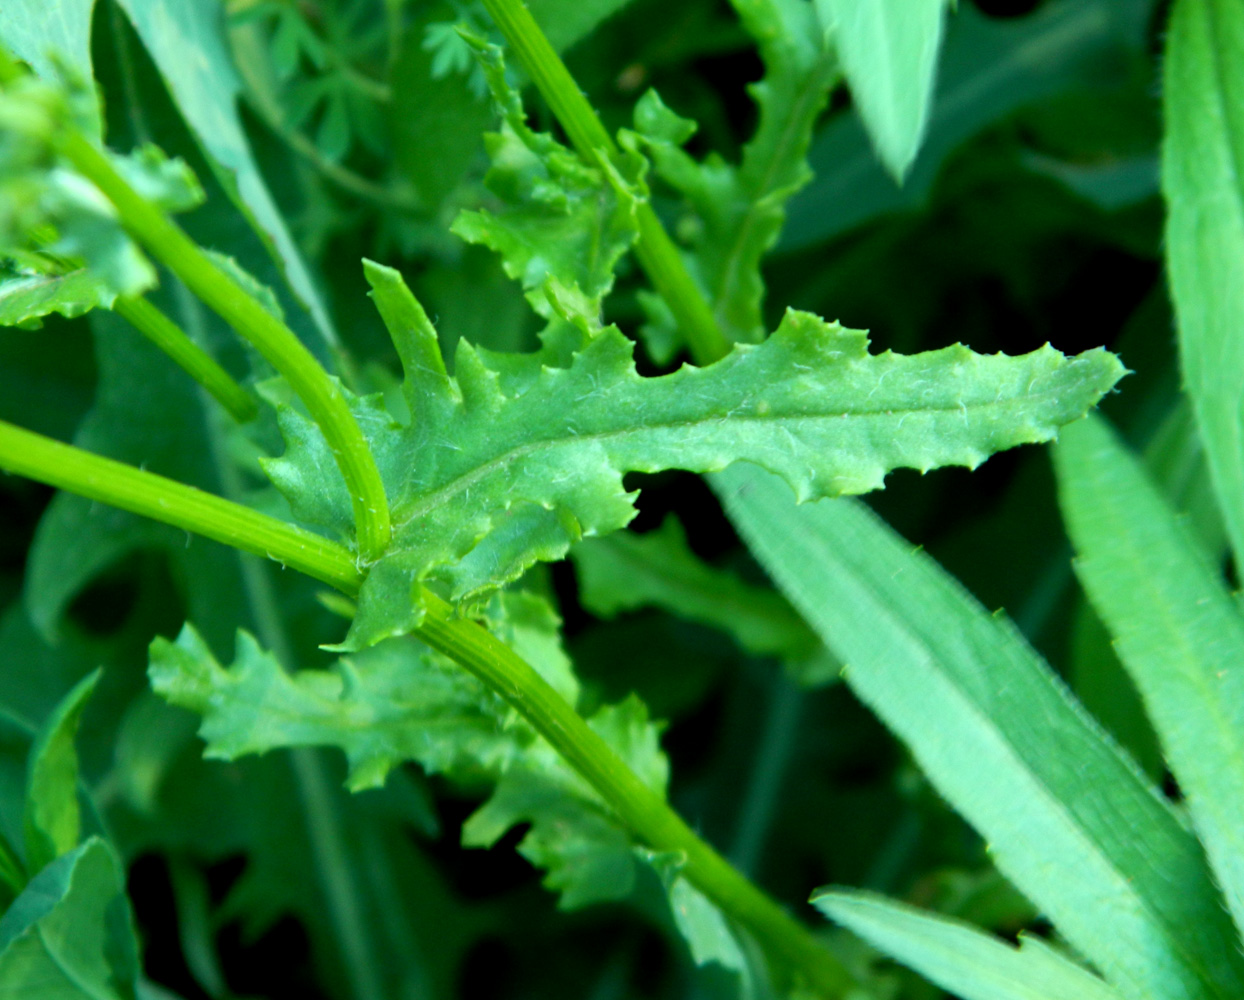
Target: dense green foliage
{"x": 516, "y": 356}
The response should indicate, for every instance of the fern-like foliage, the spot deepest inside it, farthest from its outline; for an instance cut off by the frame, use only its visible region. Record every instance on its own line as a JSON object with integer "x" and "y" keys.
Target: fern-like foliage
{"x": 509, "y": 460}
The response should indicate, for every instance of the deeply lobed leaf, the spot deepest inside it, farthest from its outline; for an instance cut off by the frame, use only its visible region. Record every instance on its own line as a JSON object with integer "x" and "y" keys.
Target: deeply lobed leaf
{"x": 558, "y": 217}
{"x": 399, "y": 702}
{"x": 507, "y": 462}
{"x": 739, "y": 210}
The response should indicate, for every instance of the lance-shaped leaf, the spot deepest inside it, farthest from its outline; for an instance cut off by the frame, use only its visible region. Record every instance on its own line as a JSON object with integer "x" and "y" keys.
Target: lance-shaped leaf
{"x": 960, "y": 958}
{"x": 508, "y": 462}
{"x": 1203, "y": 91}
{"x": 52, "y": 821}
{"x": 889, "y": 52}
{"x": 739, "y": 210}
{"x": 1067, "y": 817}
{"x": 1175, "y": 626}
{"x": 625, "y": 571}
{"x": 558, "y": 217}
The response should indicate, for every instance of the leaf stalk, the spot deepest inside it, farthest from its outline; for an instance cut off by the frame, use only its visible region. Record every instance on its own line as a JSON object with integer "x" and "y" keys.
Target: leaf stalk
{"x": 273, "y": 339}
{"x": 467, "y": 643}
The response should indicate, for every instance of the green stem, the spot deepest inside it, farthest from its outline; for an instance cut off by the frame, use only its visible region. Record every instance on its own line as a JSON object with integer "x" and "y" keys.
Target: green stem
{"x": 272, "y": 338}
{"x": 656, "y": 251}
{"x": 470, "y": 645}
{"x": 120, "y": 485}
{"x": 196, "y": 362}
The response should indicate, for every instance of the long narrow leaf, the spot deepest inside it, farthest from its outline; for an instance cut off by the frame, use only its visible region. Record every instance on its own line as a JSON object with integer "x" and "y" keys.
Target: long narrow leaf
{"x": 1069, "y": 820}
{"x": 961, "y": 958}
{"x": 889, "y": 51}
{"x": 1175, "y": 627}
{"x": 1203, "y": 180}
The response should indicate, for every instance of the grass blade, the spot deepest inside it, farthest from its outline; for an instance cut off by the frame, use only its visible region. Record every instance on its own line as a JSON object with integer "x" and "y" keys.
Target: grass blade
{"x": 1175, "y": 627}
{"x": 960, "y": 958}
{"x": 1203, "y": 180}
{"x": 1069, "y": 820}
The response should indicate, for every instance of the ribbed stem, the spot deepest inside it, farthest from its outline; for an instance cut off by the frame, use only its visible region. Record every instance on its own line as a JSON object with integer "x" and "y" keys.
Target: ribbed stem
{"x": 644, "y": 812}
{"x": 273, "y": 339}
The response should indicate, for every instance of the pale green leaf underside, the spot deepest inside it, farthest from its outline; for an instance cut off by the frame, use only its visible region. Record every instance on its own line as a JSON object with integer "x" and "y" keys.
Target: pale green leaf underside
{"x": 960, "y": 958}
{"x": 1176, "y": 628}
{"x": 889, "y": 52}
{"x": 1068, "y": 819}
{"x": 508, "y": 462}
{"x": 1203, "y": 181}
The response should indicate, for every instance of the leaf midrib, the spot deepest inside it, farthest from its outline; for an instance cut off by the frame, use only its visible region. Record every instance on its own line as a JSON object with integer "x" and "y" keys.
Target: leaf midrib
{"x": 404, "y": 513}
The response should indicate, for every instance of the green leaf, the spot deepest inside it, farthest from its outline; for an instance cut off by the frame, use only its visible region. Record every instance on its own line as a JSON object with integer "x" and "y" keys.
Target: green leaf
{"x": 54, "y": 38}
{"x": 1068, "y": 818}
{"x": 1203, "y": 90}
{"x": 185, "y": 39}
{"x": 511, "y": 461}
{"x": 52, "y": 820}
{"x": 435, "y": 119}
{"x": 625, "y": 571}
{"x": 559, "y": 217}
{"x": 1175, "y": 626}
{"x": 990, "y": 68}
{"x": 703, "y": 926}
{"x": 958, "y": 957}
{"x": 27, "y": 296}
{"x": 889, "y": 52}
{"x": 69, "y": 935}
{"x": 739, "y": 210}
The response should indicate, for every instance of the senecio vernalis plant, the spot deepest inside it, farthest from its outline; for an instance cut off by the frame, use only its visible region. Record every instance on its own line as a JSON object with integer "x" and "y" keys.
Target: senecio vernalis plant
{"x": 427, "y": 504}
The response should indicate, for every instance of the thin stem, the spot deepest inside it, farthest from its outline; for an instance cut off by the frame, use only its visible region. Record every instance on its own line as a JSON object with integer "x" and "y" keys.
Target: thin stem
{"x": 272, "y": 338}
{"x": 193, "y": 360}
{"x": 656, "y": 251}
{"x": 120, "y": 485}
{"x": 470, "y": 645}
{"x": 641, "y": 809}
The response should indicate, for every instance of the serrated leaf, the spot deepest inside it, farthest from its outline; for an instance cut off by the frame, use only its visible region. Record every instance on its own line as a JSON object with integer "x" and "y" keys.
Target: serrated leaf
{"x": 52, "y": 821}
{"x": 624, "y": 571}
{"x": 960, "y": 958}
{"x": 1175, "y": 626}
{"x": 69, "y": 935}
{"x": 27, "y": 296}
{"x": 509, "y": 462}
{"x": 559, "y": 217}
{"x": 1203, "y": 103}
{"x": 739, "y": 210}
{"x": 889, "y": 52}
{"x": 393, "y": 703}
{"x": 1067, "y": 817}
